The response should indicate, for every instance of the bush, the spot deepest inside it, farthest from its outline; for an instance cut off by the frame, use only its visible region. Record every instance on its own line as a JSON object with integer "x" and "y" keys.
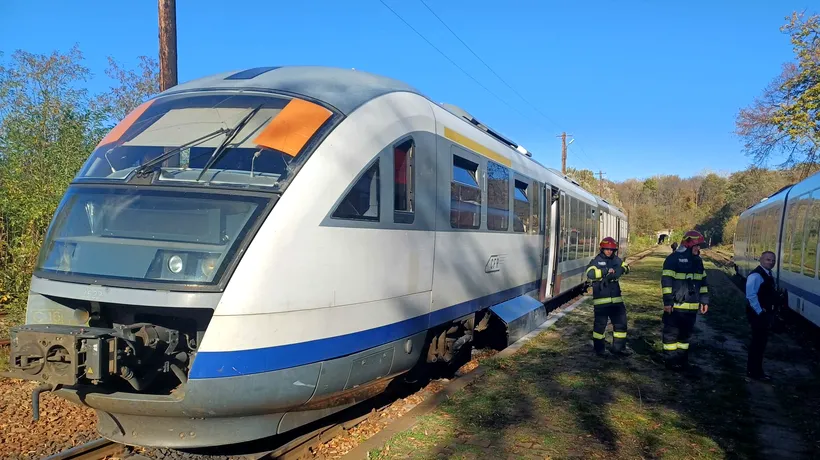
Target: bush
{"x": 48, "y": 127}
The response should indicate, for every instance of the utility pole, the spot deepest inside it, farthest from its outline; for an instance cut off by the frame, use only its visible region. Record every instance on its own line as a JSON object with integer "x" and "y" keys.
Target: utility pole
{"x": 563, "y": 137}
{"x": 600, "y": 183}
{"x": 167, "y": 44}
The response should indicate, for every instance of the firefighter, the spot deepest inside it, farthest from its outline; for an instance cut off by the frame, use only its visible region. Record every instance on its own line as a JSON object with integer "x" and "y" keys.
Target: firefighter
{"x": 685, "y": 291}
{"x": 604, "y": 271}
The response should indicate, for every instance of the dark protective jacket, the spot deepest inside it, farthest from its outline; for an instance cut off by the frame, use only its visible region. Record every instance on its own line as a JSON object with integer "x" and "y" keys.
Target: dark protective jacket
{"x": 683, "y": 281}
{"x": 605, "y": 287}
{"x": 767, "y": 295}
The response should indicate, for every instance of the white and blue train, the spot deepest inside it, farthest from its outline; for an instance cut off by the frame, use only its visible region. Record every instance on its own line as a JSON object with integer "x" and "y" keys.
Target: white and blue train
{"x": 786, "y": 223}
{"x": 251, "y": 251}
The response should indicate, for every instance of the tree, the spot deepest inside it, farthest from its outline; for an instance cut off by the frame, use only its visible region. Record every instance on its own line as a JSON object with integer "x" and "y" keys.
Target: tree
{"x": 131, "y": 88}
{"x": 729, "y": 230}
{"x": 785, "y": 120}
{"x": 46, "y": 132}
{"x": 49, "y": 125}
{"x": 711, "y": 194}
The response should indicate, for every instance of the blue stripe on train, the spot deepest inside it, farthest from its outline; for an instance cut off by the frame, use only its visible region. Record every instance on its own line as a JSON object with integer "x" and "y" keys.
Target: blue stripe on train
{"x": 808, "y": 295}
{"x": 216, "y": 364}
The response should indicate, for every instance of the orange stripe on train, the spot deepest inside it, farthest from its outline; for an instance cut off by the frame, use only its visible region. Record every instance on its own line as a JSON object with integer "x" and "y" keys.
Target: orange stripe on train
{"x": 293, "y": 127}
{"x": 115, "y": 134}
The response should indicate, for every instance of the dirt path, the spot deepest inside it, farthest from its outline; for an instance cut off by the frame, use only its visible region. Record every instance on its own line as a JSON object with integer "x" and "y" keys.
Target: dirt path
{"x": 777, "y": 437}
{"x": 784, "y": 411}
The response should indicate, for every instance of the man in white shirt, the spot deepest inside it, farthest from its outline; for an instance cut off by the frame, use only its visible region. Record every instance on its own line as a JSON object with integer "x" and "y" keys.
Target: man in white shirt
{"x": 762, "y": 297}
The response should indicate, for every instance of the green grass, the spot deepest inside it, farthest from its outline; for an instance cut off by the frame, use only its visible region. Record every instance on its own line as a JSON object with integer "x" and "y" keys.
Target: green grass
{"x": 554, "y": 398}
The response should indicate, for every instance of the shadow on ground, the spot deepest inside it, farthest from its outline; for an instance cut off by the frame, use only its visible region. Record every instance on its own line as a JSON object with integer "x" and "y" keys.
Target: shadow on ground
{"x": 554, "y": 398}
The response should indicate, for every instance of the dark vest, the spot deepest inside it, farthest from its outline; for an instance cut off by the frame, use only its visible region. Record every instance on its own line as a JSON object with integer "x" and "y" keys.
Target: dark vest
{"x": 767, "y": 294}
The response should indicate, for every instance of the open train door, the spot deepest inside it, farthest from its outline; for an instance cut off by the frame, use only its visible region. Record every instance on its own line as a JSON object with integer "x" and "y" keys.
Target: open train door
{"x": 548, "y": 259}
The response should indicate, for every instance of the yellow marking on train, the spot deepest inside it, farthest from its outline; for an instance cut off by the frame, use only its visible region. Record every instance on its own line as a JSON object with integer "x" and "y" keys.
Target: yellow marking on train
{"x": 459, "y": 138}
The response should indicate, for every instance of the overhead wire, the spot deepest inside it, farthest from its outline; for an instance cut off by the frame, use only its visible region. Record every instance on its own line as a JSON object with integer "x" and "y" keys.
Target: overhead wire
{"x": 500, "y": 78}
{"x": 546, "y": 117}
{"x": 450, "y": 59}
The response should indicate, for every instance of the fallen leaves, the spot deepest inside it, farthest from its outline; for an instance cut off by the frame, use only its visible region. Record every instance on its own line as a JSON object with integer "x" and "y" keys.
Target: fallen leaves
{"x": 62, "y": 425}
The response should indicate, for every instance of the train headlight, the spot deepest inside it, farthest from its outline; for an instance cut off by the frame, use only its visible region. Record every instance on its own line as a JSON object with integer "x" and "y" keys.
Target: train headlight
{"x": 175, "y": 264}
{"x": 208, "y": 266}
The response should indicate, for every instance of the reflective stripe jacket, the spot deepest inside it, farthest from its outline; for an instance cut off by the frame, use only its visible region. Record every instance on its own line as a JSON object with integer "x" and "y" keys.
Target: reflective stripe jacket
{"x": 683, "y": 281}
{"x": 606, "y": 290}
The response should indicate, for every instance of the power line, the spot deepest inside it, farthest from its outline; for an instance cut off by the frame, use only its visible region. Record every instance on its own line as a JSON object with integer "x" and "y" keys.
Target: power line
{"x": 584, "y": 156}
{"x": 449, "y": 59}
{"x": 467, "y": 73}
{"x": 533, "y": 106}
{"x": 488, "y": 66}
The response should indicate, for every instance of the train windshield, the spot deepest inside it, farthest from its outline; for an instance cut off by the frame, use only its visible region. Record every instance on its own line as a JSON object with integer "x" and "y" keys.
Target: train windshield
{"x": 147, "y": 234}
{"x": 198, "y": 138}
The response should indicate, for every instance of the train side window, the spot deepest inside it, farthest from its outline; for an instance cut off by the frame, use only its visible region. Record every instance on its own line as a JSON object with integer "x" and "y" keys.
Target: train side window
{"x": 465, "y": 195}
{"x": 593, "y": 223}
{"x": 786, "y": 248}
{"x": 573, "y": 235}
{"x": 789, "y": 259}
{"x": 588, "y": 213}
{"x": 812, "y": 230}
{"x": 362, "y": 201}
{"x": 521, "y": 207}
{"x": 583, "y": 226}
{"x": 498, "y": 197}
{"x": 535, "y": 219}
{"x": 562, "y": 228}
{"x": 403, "y": 182}
{"x": 752, "y": 230}
{"x": 771, "y": 240}
{"x": 568, "y": 231}
{"x": 797, "y": 240}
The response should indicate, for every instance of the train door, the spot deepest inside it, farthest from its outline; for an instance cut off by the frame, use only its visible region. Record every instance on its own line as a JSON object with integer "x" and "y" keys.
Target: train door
{"x": 551, "y": 223}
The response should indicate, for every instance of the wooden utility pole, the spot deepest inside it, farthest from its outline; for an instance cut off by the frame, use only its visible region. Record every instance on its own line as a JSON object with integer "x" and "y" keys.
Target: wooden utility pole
{"x": 563, "y": 137}
{"x": 600, "y": 183}
{"x": 167, "y": 44}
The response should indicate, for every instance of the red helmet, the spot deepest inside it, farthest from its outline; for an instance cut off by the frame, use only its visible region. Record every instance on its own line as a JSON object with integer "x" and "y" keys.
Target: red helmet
{"x": 609, "y": 243}
{"x": 692, "y": 238}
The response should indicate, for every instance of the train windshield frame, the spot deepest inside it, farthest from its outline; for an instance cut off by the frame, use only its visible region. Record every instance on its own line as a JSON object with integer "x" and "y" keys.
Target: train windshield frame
{"x": 192, "y": 139}
{"x": 150, "y": 237}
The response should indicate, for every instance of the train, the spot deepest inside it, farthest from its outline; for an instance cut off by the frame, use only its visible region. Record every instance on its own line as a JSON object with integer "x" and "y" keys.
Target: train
{"x": 249, "y": 252}
{"x": 786, "y": 223}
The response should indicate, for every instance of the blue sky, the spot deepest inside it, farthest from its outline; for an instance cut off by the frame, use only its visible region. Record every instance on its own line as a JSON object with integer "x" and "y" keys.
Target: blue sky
{"x": 645, "y": 87}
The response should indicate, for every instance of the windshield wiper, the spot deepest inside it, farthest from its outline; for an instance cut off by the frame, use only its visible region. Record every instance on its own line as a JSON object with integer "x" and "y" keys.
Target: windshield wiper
{"x": 228, "y": 139}
{"x": 148, "y": 165}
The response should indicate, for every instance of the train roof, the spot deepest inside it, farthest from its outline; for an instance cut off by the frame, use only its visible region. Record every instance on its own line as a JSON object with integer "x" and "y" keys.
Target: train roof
{"x": 810, "y": 183}
{"x": 806, "y": 185}
{"x": 344, "y": 89}
{"x": 772, "y": 199}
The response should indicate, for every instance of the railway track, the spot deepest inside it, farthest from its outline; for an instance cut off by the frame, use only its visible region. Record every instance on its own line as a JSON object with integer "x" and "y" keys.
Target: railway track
{"x": 301, "y": 447}
{"x": 94, "y": 450}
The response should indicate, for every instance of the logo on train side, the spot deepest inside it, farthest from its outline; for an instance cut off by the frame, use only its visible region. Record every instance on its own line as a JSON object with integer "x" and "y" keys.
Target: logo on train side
{"x": 493, "y": 265}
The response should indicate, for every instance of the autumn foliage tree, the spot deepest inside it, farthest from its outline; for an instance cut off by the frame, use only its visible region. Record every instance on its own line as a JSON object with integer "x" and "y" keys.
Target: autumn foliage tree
{"x": 785, "y": 120}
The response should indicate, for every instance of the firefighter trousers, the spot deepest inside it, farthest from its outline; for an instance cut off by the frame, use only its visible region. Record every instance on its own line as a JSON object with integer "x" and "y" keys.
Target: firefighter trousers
{"x": 617, "y": 314}
{"x": 677, "y": 330}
